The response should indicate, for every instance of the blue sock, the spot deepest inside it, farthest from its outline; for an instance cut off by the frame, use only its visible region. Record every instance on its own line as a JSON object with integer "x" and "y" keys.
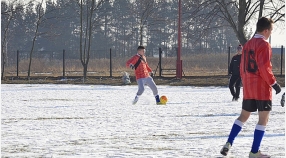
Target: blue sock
{"x": 236, "y": 128}
{"x": 157, "y": 98}
{"x": 258, "y": 135}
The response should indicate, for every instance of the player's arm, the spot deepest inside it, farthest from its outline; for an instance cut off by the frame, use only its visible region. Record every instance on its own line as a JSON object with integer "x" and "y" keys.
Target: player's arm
{"x": 230, "y": 66}
{"x": 265, "y": 68}
{"x": 148, "y": 68}
{"x": 131, "y": 62}
{"x": 264, "y": 64}
{"x": 242, "y": 62}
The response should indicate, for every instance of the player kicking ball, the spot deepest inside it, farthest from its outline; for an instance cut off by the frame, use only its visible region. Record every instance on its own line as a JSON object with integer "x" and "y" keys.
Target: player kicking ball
{"x": 142, "y": 72}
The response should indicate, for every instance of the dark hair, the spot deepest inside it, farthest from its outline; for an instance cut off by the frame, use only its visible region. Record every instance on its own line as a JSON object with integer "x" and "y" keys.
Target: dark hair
{"x": 140, "y": 47}
{"x": 263, "y": 24}
{"x": 239, "y": 47}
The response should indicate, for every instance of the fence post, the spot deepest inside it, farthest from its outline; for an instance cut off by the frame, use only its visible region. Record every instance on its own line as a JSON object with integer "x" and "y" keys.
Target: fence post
{"x": 281, "y": 61}
{"x": 64, "y": 67}
{"x": 110, "y": 62}
{"x": 228, "y": 60}
{"x": 160, "y": 62}
{"x": 17, "y": 63}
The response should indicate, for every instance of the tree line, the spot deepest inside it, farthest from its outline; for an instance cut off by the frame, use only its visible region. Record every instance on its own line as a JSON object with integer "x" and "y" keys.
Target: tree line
{"x": 208, "y": 26}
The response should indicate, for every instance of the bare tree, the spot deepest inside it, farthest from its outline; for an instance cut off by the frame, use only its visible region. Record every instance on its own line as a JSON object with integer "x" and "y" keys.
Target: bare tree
{"x": 86, "y": 31}
{"x": 40, "y": 14}
{"x": 239, "y": 14}
{"x": 247, "y": 10}
{"x": 7, "y": 15}
{"x": 41, "y": 19}
{"x": 145, "y": 9}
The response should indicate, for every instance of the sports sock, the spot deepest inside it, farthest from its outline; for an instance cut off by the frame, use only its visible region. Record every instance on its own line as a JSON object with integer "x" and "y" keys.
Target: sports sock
{"x": 157, "y": 98}
{"x": 258, "y": 135}
{"x": 236, "y": 128}
{"x": 136, "y": 97}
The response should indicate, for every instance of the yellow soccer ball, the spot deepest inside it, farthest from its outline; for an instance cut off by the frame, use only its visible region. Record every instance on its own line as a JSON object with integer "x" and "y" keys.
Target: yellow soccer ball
{"x": 163, "y": 99}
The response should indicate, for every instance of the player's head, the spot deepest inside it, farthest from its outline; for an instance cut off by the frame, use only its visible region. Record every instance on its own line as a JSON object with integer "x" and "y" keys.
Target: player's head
{"x": 264, "y": 26}
{"x": 239, "y": 48}
{"x": 141, "y": 50}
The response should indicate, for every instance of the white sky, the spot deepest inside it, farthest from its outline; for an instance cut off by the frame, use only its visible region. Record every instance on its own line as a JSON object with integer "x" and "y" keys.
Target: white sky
{"x": 278, "y": 35}
{"x": 278, "y": 38}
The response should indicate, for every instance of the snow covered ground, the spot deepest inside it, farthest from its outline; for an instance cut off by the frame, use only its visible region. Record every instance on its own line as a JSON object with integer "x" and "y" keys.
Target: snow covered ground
{"x": 99, "y": 121}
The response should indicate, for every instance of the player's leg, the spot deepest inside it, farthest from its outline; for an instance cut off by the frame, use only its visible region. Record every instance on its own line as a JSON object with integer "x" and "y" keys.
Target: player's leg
{"x": 237, "y": 88}
{"x": 248, "y": 106}
{"x": 140, "y": 91}
{"x": 231, "y": 86}
{"x": 238, "y": 123}
{"x": 150, "y": 83}
{"x": 264, "y": 108}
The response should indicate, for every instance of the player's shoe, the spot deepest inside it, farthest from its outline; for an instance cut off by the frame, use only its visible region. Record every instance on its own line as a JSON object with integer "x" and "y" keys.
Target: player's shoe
{"x": 160, "y": 103}
{"x": 225, "y": 149}
{"x": 283, "y": 100}
{"x": 235, "y": 98}
{"x": 258, "y": 155}
{"x": 135, "y": 100}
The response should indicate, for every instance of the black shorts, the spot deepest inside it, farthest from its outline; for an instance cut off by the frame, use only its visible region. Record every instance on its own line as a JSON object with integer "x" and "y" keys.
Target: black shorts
{"x": 252, "y": 105}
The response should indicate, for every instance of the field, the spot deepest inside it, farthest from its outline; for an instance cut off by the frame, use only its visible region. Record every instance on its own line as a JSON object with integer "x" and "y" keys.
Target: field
{"x": 64, "y": 120}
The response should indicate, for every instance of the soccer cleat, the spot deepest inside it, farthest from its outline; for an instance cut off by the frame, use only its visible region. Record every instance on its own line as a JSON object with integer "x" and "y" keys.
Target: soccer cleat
{"x": 135, "y": 100}
{"x": 283, "y": 100}
{"x": 160, "y": 103}
{"x": 225, "y": 149}
{"x": 258, "y": 155}
{"x": 235, "y": 98}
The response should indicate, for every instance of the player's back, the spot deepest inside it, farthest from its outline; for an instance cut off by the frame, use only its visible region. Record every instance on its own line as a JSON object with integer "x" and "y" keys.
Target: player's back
{"x": 256, "y": 70}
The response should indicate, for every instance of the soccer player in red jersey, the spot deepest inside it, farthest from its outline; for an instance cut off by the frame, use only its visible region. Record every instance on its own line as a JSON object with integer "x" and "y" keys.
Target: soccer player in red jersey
{"x": 142, "y": 72}
{"x": 258, "y": 81}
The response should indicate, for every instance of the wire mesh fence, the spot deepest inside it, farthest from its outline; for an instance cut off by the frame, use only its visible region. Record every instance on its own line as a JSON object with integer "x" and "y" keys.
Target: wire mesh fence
{"x": 67, "y": 63}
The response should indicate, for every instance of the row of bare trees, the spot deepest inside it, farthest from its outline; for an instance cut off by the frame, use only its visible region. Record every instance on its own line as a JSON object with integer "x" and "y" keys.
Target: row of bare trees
{"x": 85, "y": 25}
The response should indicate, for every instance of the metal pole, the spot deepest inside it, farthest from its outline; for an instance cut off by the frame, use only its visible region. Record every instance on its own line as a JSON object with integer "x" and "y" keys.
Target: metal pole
{"x": 179, "y": 65}
{"x": 281, "y": 60}
{"x": 64, "y": 67}
{"x": 160, "y": 62}
{"x": 17, "y": 63}
{"x": 228, "y": 60}
{"x": 110, "y": 62}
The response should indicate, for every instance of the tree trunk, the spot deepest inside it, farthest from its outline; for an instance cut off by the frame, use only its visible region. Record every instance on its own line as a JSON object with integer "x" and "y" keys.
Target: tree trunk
{"x": 3, "y": 65}
{"x": 32, "y": 50}
{"x": 84, "y": 71}
{"x": 241, "y": 22}
{"x": 4, "y": 53}
{"x": 261, "y": 8}
{"x": 34, "y": 38}
{"x": 141, "y": 35}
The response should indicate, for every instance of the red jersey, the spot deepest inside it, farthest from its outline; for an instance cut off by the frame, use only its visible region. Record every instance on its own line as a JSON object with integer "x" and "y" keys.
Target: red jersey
{"x": 256, "y": 69}
{"x": 142, "y": 71}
